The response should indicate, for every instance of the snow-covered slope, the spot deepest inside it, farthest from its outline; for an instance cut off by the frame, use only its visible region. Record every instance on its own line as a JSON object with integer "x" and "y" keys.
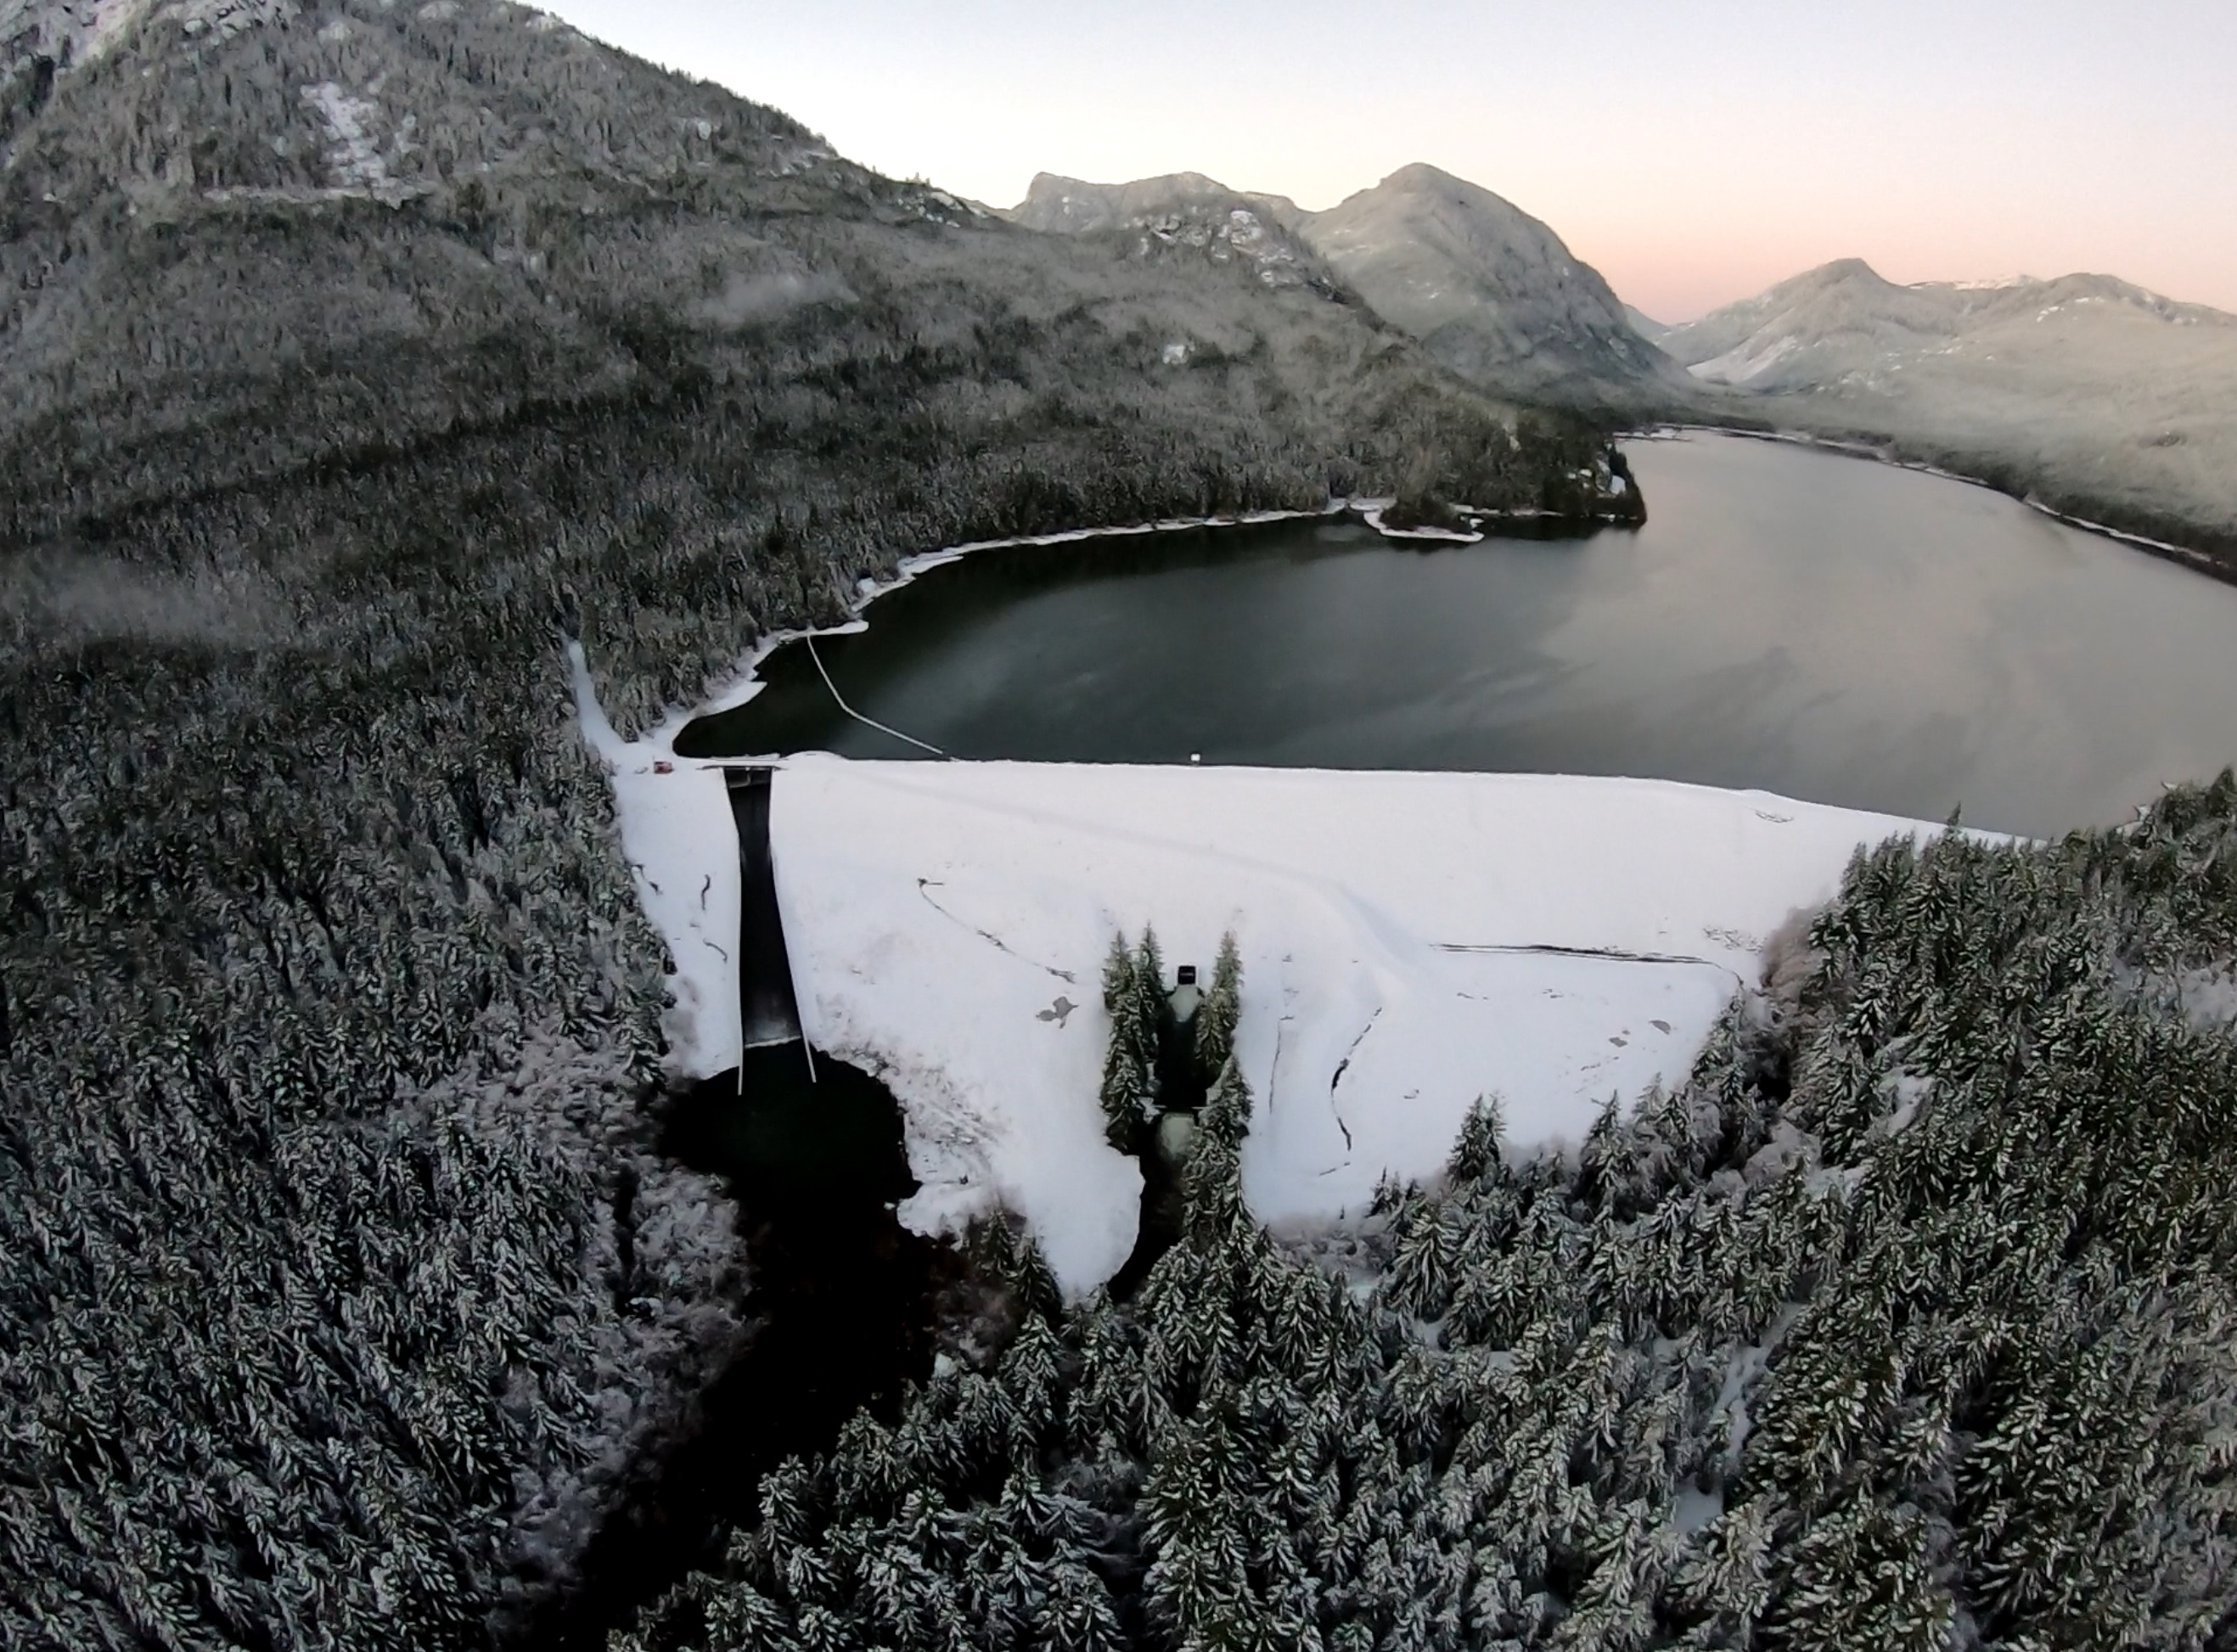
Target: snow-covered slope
{"x": 1843, "y": 326}
{"x": 1489, "y": 290}
{"x": 1410, "y": 942}
{"x": 2087, "y": 389}
{"x": 1181, "y": 214}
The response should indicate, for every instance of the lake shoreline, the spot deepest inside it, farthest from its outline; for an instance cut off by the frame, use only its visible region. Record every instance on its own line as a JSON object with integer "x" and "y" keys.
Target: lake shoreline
{"x": 2213, "y": 561}
{"x": 741, "y": 688}
{"x": 1719, "y": 643}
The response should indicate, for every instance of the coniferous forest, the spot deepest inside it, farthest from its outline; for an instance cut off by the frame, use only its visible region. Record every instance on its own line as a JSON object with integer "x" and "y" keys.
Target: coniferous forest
{"x": 345, "y": 1290}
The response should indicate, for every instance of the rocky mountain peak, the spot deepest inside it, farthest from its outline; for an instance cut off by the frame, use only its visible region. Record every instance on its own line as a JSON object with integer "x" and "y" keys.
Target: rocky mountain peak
{"x": 1491, "y": 290}
{"x": 1181, "y": 213}
{"x": 1845, "y": 269}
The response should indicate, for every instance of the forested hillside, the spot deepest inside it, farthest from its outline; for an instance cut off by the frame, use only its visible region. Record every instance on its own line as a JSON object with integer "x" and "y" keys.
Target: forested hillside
{"x": 353, "y": 358}
{"x": 1905, "y": 1324}
{"x": 1489, "y": 291}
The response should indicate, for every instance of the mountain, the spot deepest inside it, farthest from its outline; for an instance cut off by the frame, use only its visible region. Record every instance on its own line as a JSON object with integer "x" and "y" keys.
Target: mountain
{"x": 243, "y": 233}
{"x": 2104, "y": 399}
{"x": 1491, "y": 292}
{"x": 357, "y": 360}
{"x": 1645, "y": 325}
{"x": 1180, "y": 215}
{"x": 1068, "y": 206}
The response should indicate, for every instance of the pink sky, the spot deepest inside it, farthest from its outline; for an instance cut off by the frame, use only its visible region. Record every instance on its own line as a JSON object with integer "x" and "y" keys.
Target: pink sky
{"x": 1694, "y": 150}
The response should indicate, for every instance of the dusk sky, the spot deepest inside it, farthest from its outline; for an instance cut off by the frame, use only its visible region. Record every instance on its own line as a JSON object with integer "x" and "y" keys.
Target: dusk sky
{"x": 1694, "y": 150}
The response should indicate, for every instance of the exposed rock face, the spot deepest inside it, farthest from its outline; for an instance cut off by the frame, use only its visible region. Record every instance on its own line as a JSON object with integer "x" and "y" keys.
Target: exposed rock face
{"x": 2109, "y": 401}
{"x": 1068, "y": 206}
{"x": 1491, "y": 292}
{"x": 1181, "y": 214}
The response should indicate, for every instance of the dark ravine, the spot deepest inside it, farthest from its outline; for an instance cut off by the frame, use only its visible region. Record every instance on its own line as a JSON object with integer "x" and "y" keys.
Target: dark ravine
{"x": 847, "y": 1307}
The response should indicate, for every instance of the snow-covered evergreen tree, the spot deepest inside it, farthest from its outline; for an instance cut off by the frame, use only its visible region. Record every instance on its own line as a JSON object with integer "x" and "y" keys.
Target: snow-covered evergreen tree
{"x": 1133, "y": 997}
{"x": 1218, "y": 1011}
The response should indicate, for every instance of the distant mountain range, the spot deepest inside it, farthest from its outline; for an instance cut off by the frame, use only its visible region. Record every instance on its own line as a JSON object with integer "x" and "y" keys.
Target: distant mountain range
{"x": 2096, "y": 396}
{"x": 1490, "y": 290}
{"x": 2091, "y": 395}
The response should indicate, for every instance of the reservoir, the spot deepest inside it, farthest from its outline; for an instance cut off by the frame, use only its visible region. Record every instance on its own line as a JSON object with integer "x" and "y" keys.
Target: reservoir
{"x": 1790, "y": 619}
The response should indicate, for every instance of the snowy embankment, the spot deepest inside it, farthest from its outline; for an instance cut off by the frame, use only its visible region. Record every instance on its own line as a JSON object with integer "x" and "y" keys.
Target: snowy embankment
{"x": 675, "y": 822}
{"x": 681, "y": 842}
{"x": 1410, "y": 942}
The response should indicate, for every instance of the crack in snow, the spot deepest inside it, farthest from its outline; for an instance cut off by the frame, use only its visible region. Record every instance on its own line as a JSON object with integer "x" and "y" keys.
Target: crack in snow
{"x": 1611, "y": 953}
{"x": 924, "y": 885}
{"x": 1337, "y": 1077}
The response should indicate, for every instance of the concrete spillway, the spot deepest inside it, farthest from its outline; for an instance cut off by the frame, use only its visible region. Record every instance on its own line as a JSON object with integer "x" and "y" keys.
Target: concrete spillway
{"x": 768, "y": 1012}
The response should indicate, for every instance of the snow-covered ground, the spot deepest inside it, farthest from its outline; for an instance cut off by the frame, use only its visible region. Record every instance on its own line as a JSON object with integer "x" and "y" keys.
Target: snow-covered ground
{"x": 1411, "y": 942}
{"x": 681, "y": 842}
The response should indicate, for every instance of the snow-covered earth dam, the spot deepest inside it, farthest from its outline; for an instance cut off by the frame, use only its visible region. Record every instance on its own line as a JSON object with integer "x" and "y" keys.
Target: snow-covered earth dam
{"x": 1410, "y": 942}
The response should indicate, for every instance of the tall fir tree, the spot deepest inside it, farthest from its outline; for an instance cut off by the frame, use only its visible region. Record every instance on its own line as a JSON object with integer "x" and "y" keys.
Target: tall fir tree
{"x": 1219, "y": 1011}
{"x": 1128, "y": 1093}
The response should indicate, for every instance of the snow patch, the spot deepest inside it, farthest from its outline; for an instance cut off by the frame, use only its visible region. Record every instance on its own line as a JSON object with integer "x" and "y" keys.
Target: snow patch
{"x": 354, "y": 159}
{"x": 1692, "y": 1509}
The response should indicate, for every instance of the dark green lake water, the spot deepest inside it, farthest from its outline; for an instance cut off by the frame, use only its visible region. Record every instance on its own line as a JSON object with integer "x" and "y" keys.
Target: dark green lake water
{"x": 1820, "y": 626}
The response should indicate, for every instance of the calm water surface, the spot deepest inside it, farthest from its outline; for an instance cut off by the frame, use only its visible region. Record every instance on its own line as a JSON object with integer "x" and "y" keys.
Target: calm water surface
{"x": 1817, "y": 625}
